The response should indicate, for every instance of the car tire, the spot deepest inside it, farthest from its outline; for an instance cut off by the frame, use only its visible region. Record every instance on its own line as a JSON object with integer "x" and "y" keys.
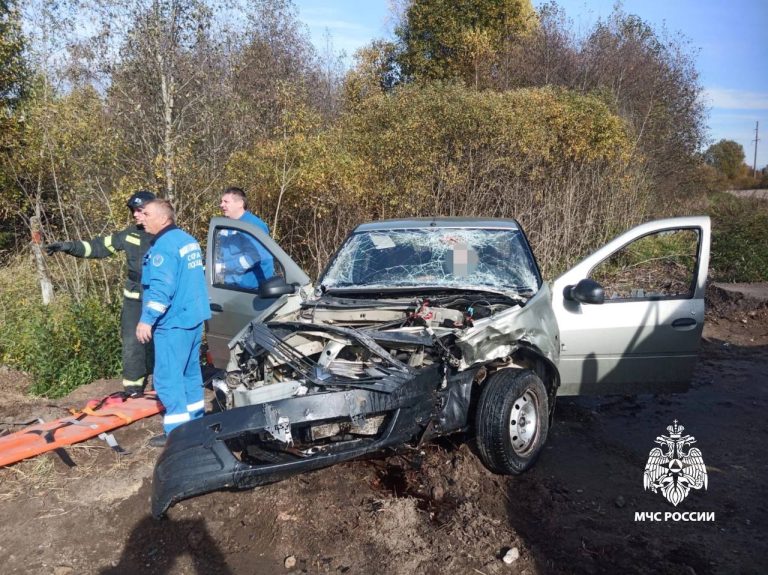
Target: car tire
{"x": 512, "y": 421}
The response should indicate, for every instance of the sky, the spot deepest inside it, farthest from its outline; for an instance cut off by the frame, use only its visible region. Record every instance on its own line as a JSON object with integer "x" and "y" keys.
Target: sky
{"x": 729, "y": 41}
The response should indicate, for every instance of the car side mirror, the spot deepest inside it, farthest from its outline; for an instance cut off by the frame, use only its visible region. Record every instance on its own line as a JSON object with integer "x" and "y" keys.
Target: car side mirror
{"x": 275, "y": 287}
{"x": 586, "y": 291}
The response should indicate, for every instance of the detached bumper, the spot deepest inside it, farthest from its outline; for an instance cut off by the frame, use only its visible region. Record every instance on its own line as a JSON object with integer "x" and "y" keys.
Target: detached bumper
{"x": 197, "y": 458}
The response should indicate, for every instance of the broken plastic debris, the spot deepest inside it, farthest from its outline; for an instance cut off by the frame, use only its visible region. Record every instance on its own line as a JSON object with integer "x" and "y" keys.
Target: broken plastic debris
{"x": 511, "y": 556}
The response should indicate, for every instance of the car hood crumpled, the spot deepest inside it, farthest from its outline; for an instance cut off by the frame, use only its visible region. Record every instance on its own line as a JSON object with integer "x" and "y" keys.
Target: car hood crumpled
{"x": 499, "y": 336}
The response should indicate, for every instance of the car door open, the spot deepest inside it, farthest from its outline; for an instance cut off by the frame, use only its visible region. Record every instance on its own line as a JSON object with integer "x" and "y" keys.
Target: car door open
{"x": 240, "y": 259}
{"x": 631, "y": 314}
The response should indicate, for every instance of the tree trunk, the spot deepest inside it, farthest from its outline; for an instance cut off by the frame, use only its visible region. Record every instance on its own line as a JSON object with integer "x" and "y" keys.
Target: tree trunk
{"x": 167, "y": 88}
{"x": 46, "y": 286}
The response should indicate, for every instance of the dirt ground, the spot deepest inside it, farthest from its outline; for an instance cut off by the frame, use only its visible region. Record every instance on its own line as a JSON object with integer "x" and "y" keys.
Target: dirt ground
{"x": 430, "y": 510}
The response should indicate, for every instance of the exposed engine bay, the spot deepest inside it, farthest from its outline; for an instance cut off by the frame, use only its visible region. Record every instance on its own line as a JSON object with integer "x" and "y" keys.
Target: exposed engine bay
{"x": 414, "y": 333}
{"x": 374, "y": 374}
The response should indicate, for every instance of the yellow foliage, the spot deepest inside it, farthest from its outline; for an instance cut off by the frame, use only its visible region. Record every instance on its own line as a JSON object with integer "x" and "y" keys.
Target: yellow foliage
{"x": 429, "y": 150}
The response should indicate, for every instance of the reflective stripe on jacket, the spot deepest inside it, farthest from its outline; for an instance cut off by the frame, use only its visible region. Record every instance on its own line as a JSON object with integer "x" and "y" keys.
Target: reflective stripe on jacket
{"x": 133, "y": 240}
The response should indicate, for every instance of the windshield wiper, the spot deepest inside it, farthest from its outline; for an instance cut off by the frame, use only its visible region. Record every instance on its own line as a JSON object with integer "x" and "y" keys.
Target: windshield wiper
{"x": 338, "y": 301}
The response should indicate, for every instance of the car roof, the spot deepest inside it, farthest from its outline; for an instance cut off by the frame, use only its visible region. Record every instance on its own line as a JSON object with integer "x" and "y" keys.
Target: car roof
{"x": 442, "y": 222}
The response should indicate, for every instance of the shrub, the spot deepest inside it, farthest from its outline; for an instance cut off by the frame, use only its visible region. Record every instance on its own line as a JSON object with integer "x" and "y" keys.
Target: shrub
{"x": 557, "y": 161}
{"x": 739, "y": 239}
{"x": 63, "y": 345}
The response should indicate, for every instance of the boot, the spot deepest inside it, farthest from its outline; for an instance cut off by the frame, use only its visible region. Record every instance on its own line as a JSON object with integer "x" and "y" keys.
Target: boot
{"x": 158, "y": 440}
{"x": 133, "y": 390}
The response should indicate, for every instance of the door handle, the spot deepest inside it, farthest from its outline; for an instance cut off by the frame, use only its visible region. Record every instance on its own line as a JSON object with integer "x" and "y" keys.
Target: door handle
{"x": 684, "y": 322}
{"x": 216, "y": 307}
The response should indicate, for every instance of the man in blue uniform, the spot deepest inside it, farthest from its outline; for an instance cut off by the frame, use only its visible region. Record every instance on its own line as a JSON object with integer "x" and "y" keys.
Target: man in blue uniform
{"x": 242, "y": 260}
{"x": 138, "y": 358}
{"x": 174, "y": 307}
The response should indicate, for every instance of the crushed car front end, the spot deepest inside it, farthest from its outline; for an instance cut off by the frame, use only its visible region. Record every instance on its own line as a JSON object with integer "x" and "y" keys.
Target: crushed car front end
{"x": 327, "y": 418}
{"x": 407, "y": 325}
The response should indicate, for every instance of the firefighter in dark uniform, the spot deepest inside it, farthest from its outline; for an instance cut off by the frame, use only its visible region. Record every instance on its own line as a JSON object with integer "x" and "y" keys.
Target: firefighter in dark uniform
{"x": 138, "y": 358}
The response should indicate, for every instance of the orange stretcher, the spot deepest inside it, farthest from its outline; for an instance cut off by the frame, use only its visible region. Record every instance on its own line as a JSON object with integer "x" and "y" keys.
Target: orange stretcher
{"x": 97, "y": 418}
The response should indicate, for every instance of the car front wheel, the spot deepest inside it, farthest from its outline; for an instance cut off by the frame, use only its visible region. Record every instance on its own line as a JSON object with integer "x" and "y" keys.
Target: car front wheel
{"x": 512, "y": 421}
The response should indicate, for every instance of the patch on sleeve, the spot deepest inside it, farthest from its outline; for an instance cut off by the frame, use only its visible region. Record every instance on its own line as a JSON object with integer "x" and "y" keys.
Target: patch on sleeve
{"x": 157, "y": 260}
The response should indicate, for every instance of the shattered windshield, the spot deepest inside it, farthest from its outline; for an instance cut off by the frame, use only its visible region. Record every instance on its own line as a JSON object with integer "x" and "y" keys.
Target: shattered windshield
{"x": 491, "y": 259}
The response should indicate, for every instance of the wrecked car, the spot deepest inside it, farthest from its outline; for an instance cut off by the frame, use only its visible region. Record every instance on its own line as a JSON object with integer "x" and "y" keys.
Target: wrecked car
{"x": 424, "y": 327}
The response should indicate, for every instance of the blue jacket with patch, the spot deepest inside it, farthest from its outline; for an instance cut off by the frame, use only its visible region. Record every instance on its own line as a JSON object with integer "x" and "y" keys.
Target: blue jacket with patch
{"x": 175, "y": 293}
{"x": 246, "y": 263}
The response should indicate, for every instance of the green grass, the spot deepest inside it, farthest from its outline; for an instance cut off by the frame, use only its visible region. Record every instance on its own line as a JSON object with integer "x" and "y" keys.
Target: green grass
{"x": 739, "y": 239}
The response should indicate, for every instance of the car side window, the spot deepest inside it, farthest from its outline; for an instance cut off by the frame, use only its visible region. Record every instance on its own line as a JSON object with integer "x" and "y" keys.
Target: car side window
{"x": 241, "y": 261}
{"x": 661, "y": 265}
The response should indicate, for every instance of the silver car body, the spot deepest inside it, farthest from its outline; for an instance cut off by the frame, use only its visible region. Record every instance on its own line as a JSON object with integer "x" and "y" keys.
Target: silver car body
{"x": 618, "y": 346}
{"x": 419, "y": 329}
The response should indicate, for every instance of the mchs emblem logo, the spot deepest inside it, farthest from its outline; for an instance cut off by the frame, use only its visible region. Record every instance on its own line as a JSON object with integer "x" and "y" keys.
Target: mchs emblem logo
{"x": 675, "y": 468}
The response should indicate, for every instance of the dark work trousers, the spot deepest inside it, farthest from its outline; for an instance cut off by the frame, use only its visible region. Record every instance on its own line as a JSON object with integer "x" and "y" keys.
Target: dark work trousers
{"x": 138, "y": 358}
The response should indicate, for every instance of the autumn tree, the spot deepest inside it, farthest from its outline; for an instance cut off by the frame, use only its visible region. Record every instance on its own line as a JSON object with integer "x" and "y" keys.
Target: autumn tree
{"x": 727, "y": 157}
{"x": 304, "y": 180}
{"x": 192, "y": 82}
{"x": 548, "y": 56}
{"x": 157, "y": 81}
{"x": 375, "y": 71}
{"x": 546, "y": 156}
{"x": 763, "y": 178}
{"x": 461, "y": 39}
{"x": 13, "y": 87}
{"x": 274, "y": 50}
{"x": 13, "y": 69}
{"x": 655, "y": 85}
{"x": 648, "y": 76}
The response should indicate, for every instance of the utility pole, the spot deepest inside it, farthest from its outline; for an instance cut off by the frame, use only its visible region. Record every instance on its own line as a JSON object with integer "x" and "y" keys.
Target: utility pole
{"x": 754, "y": 162}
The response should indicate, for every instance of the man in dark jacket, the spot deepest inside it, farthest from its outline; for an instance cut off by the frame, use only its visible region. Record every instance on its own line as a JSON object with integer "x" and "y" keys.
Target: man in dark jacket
{"x": 138, "y": 358}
